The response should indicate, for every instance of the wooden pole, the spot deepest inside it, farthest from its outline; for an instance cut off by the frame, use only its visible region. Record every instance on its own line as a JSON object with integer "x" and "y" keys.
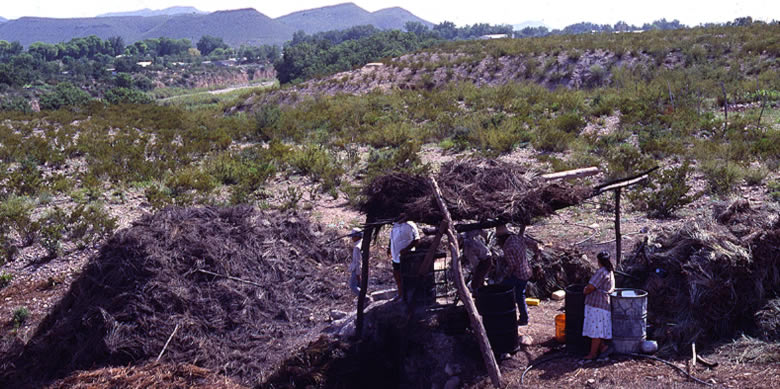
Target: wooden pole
{"x": 430, "y": 256}
{"x": 618, "y": 237}
{"x": 167, "y": 342}
{"x": 365, "y": 249}
{"x": 576, "y": 173}
{"x": 476, "y": 320}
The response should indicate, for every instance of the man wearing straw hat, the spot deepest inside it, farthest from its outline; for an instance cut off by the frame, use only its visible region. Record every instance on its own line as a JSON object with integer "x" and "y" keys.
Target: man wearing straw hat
{"x": 519, "y": 270}
{"x": 354, "y": 267}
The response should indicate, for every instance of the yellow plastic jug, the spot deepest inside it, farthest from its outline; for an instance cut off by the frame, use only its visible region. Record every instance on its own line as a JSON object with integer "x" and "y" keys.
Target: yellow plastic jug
{"x": 560, "y": 328}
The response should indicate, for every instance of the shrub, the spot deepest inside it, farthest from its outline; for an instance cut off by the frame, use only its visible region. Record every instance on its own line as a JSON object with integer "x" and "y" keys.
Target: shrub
{"x": 20, "y": 316}
{"x": 548, "y": 138}
{"x": 266, "y": 120}
{"x": 90, "y": 224}
{"x": 773, "y": 187}
{"x": 5, "y": 279}
{"x": 570, "y": 122}
{"x": 15, "y": 103}
{"x": 596, "y": 76}
{"x": 158, "y": 196}
{"x": 52, "y": 228}
{"x": 27, "y": 179}
{"x": 320, "y": 164}
{"x": 64, "y": 95}
{"x": 127, "y": 96}
{"x": 626, "y": 160}
{"x": 668, "y": 191}
{"x": 756, "y": 176}
{"x": 722, "y": 176}
{"x": 15, "y": 214}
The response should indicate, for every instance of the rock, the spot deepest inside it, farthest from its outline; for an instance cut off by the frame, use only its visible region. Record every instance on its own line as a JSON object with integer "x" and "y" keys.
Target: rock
{"x": 452, "y": 383}
{"x": 558, "y": 295}
{"x": 335, "y": 314}
{"x": 452, "y": 369}
{"x": 386, "y": 294}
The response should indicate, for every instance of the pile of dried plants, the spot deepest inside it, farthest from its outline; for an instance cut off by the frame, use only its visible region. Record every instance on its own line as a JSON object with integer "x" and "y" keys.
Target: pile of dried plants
{"x": 233, "y": 289}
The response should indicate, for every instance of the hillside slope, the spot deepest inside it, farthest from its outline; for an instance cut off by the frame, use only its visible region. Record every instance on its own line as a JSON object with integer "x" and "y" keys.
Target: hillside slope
{"x": 581, "y": 62}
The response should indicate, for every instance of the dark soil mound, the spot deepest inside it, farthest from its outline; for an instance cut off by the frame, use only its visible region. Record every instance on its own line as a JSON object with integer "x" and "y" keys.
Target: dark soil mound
{"x": 242, "y": 286}
{"x": 704, "y": 283}
{"x": 159, "y": 376}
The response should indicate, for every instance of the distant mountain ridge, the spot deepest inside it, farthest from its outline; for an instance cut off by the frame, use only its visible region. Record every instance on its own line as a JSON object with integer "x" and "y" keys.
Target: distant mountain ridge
{"x": 156, "y": 12}
{"x": 235, "y": 27}
{"x": 3, "y": 20}
{"x": 346, "y": 15}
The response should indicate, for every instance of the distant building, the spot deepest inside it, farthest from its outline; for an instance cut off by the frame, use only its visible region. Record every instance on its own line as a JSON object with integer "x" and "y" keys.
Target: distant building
{"x": 144, "y": 64}
{"x": 494, "y": 36}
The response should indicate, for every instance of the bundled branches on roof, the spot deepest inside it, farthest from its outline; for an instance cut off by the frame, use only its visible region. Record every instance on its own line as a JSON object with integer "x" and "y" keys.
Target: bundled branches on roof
{"x": 474, "y": 189}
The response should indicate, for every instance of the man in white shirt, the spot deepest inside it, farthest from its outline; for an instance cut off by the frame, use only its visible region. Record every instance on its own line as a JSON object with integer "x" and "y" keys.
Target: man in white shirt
{"x": 403, "y": 237}
{"x": 357, "y": 257}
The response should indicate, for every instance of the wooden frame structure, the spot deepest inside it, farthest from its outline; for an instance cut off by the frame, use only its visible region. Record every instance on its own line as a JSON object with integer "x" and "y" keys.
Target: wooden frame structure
{"x": 448, "y": 228}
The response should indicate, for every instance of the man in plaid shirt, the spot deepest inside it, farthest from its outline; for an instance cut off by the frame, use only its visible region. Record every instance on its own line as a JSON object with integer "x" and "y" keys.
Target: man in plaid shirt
{"x": 518, "y": 268}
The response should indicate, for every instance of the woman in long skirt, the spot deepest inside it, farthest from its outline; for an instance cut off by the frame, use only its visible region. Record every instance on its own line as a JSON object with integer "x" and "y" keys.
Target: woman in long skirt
{"x": 598, "y": 316}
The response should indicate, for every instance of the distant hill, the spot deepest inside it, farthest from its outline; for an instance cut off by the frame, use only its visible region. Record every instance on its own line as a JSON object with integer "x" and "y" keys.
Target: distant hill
{"x": 395, "y": 18}
{"x": 529, "y": 23}
{"x": 29, "y": 30}
{"x": 157, "y": 12}
{"x": 235, "y": 27}
{"x": 3, "y": 20}
{"x": 341, "y": 16}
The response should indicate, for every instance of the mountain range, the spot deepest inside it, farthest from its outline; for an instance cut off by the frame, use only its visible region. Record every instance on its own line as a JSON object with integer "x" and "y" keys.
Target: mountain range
{"x": 235, "y": 27}
{"x": 3, "y": 20}
{"x": 155, "y": 12}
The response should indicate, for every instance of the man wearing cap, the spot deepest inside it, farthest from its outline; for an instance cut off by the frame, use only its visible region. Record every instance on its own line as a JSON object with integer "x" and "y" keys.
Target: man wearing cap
{"x": 403, "y": 238}
{"x": 357, "y": 257}
{"x": 518, "y": 268}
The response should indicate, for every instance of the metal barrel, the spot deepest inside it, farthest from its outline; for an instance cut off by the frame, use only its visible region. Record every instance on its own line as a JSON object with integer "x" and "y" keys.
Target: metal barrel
{"x": 418, "y": 290}
{"x": 575, "y": 316}
{"x": 629, "y": 319}
{"x": 496, "y": 304}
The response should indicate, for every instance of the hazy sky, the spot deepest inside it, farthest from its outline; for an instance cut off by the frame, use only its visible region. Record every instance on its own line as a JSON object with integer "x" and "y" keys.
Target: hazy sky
{"x": 555, "y": 13}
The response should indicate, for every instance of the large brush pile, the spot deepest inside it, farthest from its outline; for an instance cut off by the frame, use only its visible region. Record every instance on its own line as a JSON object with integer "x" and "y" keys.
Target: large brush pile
{"x": 276, "y": 277}
{"x": 705, "y": 283}
{"x": 473, "y": 189}
{"x": 154, "y": 375}
{"x": 556, "y": 268}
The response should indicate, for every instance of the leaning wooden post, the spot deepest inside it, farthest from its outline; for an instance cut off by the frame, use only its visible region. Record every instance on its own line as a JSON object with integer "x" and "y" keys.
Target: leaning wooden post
{"x": 430, "y": 256}
{"x": 476, "y": 320}
{"x": 618, "y": 237}
{"x": 365, "y": 249}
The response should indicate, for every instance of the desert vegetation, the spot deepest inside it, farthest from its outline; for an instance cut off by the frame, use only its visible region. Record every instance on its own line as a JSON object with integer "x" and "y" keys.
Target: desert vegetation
{"x": 702, "y": 104}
